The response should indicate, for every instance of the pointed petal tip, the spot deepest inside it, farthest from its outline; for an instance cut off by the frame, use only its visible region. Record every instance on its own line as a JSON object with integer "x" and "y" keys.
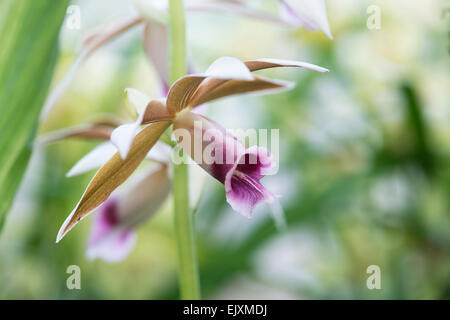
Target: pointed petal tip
{"x": 322, "y": 69}
{"x": 123, "y": 154}
{"x": 288, "y": 84}
{"x": 59, "y": 238}
{"x": 64, "y": 228}
{"x": 70, "y": 174}
{"x": 62, "y": 232}
{"x": 273, "y": 62}
{"x": 74, "y": 171}
{"x": 325, "y": 28}
{"x": 136, "y": 99}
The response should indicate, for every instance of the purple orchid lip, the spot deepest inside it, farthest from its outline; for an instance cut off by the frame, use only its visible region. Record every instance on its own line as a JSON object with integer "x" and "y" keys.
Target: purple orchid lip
{"x": 107, "y": 240}
{"x": 242, "y": 186}
{"x": 227, "y": 159}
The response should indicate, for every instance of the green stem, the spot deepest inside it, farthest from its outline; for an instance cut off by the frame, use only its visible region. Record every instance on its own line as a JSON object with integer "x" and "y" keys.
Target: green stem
{"x": 188, "y": 272}
{"x": 177, "y": 40}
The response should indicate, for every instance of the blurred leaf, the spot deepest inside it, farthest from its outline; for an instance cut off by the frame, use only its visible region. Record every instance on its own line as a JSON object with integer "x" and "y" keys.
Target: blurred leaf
{"x": 418, "y": 125}
{"x": 28, "y": 36}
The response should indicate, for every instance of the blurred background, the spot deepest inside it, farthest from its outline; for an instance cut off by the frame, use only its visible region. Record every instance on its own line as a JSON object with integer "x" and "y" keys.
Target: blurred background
{"x": 364, "y": 164}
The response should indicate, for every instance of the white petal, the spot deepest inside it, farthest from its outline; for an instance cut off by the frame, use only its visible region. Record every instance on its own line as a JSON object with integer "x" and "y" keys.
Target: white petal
{"x": 122, "y": 137}
{"x": 312, "y": 13}
{"x": 229, "y": 68}
{"x": 94, "y": 159}
{"x": 136, "y": 99}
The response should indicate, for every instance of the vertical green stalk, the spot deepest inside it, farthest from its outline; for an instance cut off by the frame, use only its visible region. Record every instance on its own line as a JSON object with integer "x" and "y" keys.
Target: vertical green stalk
{"x": 177, "y": 40}
{"x": 188, "y": 272}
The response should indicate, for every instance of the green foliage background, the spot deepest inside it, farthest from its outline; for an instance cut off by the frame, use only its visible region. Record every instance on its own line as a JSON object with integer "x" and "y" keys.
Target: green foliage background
{"x": 364, "y": 159}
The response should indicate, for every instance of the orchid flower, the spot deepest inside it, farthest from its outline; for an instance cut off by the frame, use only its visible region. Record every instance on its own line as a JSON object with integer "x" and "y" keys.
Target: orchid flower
{"x": 225, "y": 77}
{"x": 230, "y": 162}
{"x": 113, "y": 233}
{"x": 153, "y": 15}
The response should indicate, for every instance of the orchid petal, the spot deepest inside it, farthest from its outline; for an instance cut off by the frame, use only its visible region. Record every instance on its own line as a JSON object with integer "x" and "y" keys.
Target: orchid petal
{"x": 122, "y": 137}
{"x": 155, "y": 39}
{"x": 228, "y": 76}
{"x": 181, "y": 92}
{"x": 156, "y": 110}
{"x": 229, "y": 68}
{"x": 113, "y": 174}
{"x": 311, "y": 13}
{"x": 242, "y": 186}
{"x": 256, "y": 162}
{"x": 208, "y": 134}
{"x": 137, "y": 100}
{"x": 94, "y": 159}
{"x": 103, "y": 152}
{"x": 243, "y": 194}
{"x": 224, "y": 68}
{"x": 211, "y": 90}
{"x": 228, "y": 161}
